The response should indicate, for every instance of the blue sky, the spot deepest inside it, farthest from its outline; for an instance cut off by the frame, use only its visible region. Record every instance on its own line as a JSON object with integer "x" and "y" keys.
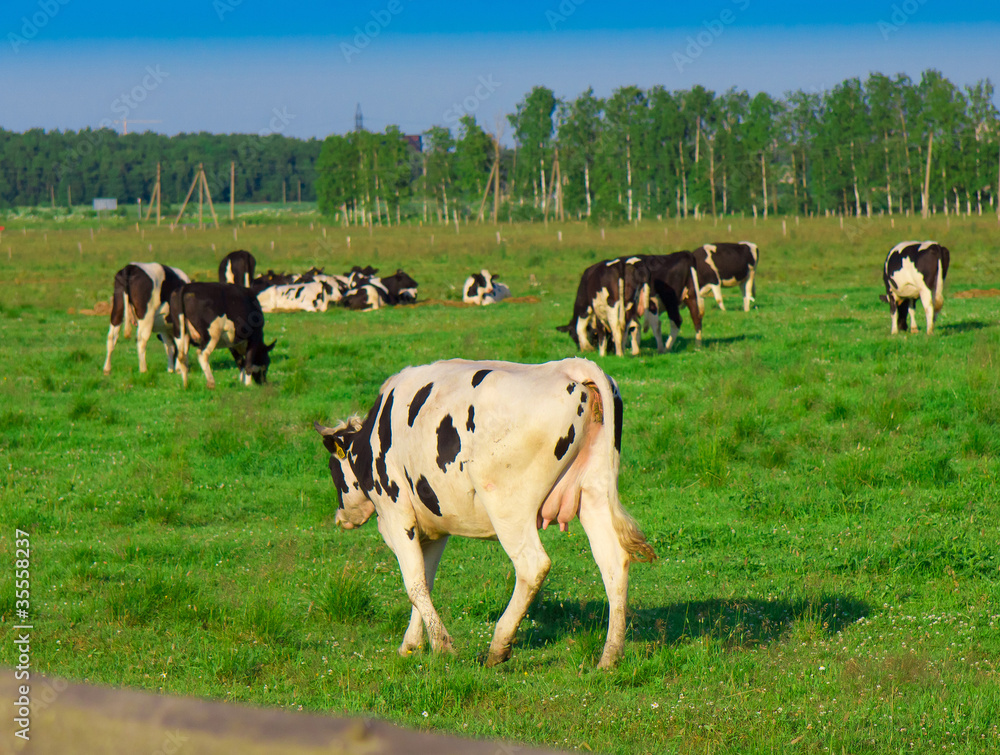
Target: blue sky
{"x": 301, "y": 68}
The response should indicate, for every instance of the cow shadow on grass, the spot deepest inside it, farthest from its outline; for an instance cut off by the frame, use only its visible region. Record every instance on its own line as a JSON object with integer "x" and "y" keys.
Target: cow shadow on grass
{"x": 734, "y": 622}
{"x": 965, "y": 327}
{"x": 690, "y": 344}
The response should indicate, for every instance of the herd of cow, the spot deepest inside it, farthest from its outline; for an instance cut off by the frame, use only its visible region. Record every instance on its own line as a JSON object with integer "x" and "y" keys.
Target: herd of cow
{"x": 434, "y": 456}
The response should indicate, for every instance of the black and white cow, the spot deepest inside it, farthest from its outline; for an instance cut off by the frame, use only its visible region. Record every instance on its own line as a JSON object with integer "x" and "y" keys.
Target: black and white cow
{"x": 915, "y": 270}
{"x": 672, "y": 280}
{"x": 366, "y": 297}
{"x": 238, "y": 267}
{"x": 609, "y": 298}
{"x": 489, "y": 450}
{"x": 482, "y": 288}
{"x": 141, "y": 298}
{"x": 220, "y": 314}
{"x": 297, "y": 297}
{"x": 728, "y": 264}
{"x": 402, "y": 289}
{"x": 271, "y": 278}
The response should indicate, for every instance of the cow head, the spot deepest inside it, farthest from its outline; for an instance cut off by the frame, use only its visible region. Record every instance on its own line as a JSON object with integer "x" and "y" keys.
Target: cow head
{"x": 255, "y": 363}
{"x": 354, "y": 506}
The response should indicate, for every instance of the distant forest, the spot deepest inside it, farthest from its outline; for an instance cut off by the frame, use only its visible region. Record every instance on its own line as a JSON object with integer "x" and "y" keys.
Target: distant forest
{"x": 879, "y": 145}
{"x": 40, "y": 168}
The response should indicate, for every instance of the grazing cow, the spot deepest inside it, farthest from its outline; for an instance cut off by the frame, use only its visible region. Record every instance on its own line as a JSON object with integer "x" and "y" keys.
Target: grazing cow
{"x": 915, "y": 270}
{"x": 609, "y": 298}
{"x": 489, "y": 450}
{"x": 672, "y": 279}
{"x": 238, "y": 267}
{"x": 726, "y": 264}
{"x": 141, "y": 298}
{"x": 220, "y": 314}
{"x": 297, "y": 297}
{"x": 401, "y": 287}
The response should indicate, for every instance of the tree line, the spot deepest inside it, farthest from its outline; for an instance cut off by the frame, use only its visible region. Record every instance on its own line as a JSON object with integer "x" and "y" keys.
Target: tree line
{"x": 879, "y": 145}
{"x": 60, "y": 168}
{"x": 882, "y": 145}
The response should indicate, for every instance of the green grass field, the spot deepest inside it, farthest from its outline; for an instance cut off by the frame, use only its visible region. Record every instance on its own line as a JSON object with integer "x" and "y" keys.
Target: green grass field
{"x": 824, "y": 499}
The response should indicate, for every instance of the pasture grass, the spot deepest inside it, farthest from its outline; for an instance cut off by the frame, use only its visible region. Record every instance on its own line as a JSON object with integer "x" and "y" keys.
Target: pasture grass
{"x": 824, "y": 499}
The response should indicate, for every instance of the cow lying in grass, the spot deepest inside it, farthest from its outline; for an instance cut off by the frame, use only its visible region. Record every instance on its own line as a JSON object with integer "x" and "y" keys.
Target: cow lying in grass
{"x": 489, "y": 450}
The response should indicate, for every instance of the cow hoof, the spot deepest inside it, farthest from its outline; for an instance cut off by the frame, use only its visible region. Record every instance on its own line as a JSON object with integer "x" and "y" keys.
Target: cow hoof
{"x": 107, "y": 370}
{"x": 211, "y": 385}
{"x": 495, "y": 658}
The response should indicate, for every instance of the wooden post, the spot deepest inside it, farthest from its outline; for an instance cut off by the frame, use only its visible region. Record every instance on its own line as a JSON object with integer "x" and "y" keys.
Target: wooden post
{"x": 486, "y": 192}
{"x": 187, "y": 198}
{"x": 201, "y": 195}
{"x": 232, "y": 190}
{"x": 208, "y": 194}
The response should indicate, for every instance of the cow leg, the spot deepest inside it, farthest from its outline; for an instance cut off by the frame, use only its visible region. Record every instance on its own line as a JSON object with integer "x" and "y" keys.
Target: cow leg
{"x": 692, "y": 303}
{"x": 652, "y": 321}
{"x": 531, "y": 565}
{"x": 144, "y": 329}
{"x": 394, "y": 527}
{"x": 414, "y": 637}
{"x": 633, "y": 335}
{"x": 203, "y": 356}
{"x": 112, "y": 340}
{"x": 927, "y": 300}
{"x": 717, "y": 293}
{"x": 171, "y": 347}
{"x": 613, "y": 561}
{"x": 748, "y": 291}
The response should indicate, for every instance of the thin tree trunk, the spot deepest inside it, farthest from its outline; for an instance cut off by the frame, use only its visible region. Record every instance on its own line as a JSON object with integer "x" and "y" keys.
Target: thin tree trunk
{"x": 586, "y": 185}
{"x": 763, "y": 177}
{"x": 684, "y": 183}
{"x": 711, "y": 172}
{"x": 926, "y": 197}
{"x": 628, "y": 172}
{"x": 854, "y": 178}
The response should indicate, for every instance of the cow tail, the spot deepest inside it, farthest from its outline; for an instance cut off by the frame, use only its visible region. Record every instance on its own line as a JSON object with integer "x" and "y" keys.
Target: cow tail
{"x": 630, "y": 537}
{"x": 697, "y": 291}
{"x": 128, "y": 316}
{"x": 939, "y": 287}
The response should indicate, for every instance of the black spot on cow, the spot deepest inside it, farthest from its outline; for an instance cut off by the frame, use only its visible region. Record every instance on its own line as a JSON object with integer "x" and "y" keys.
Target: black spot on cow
{"x": 411, "y": 532}
{"x": 581, "y": 409}
{"x": 449, "y": 444}
{"x": 570, "y": 388}
{"x": 418, "y": 401}
{"x": 385, "y": 441}
{"x": 362, "y": 458}
{"x": 563, "y": 444}
{"x": 427, "y": 496}
{"x": 339, "y": 481}
{"x": 619, "y": 417}
{"x": 480, "y": 377}
{"x": 408, "y": 480}
{"x": 470, "y": 423}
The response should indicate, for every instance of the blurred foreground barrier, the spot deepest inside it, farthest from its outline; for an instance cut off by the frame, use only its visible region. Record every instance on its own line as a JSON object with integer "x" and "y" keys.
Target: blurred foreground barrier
{"x": 80, "y": 719}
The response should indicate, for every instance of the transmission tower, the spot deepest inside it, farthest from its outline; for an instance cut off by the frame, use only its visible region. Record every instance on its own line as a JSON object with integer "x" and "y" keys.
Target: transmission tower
{"x": 359, "y": 121}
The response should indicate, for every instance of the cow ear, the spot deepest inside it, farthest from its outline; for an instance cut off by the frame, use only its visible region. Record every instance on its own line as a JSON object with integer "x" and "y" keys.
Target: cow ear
{"x": 273, "y": 343}
{"x": 331, "y": 441}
